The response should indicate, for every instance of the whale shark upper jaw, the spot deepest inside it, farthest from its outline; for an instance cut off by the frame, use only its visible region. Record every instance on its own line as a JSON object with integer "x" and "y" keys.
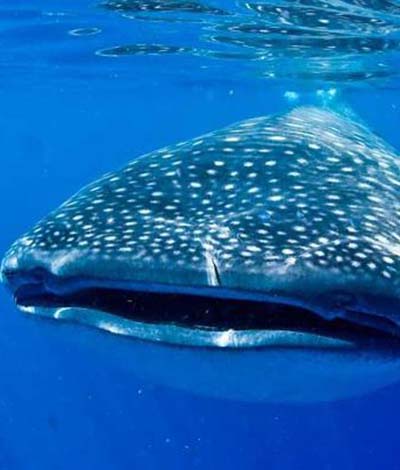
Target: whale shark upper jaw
{"x": 244, "y": 319}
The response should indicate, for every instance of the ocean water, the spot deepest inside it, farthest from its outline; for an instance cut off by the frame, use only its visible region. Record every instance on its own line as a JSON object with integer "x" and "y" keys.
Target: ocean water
{"x": 84, "y": 87}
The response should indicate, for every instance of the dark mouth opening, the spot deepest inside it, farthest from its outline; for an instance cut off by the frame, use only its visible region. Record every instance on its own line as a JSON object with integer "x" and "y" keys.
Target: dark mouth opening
{"x": 209, "y": 312}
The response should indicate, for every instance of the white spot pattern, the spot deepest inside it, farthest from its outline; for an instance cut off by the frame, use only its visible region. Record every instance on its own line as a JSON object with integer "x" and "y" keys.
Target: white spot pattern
{"x": 308, "y": 191}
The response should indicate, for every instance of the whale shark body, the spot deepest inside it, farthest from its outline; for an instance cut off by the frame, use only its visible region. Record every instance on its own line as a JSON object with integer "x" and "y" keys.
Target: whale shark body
{"x": 262, "y": 257}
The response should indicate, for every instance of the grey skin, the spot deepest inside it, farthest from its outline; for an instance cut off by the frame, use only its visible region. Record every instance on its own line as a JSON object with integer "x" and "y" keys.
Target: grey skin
{"x": 262, "y": 257}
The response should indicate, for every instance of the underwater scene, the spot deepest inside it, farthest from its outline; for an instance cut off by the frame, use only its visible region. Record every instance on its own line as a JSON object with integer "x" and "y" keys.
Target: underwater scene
{"x": 200, "y": 234}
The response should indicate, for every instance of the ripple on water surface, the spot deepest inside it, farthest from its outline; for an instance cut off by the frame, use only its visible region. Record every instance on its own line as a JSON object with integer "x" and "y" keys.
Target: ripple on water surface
{"x": 350, "y": 41}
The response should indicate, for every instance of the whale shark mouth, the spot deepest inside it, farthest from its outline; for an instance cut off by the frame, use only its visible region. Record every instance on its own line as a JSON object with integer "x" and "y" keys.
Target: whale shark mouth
{"x": 207, "y": 310}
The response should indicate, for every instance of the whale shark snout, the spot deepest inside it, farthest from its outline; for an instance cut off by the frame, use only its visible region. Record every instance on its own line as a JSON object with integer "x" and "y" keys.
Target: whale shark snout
{"x": 278, "y": 233}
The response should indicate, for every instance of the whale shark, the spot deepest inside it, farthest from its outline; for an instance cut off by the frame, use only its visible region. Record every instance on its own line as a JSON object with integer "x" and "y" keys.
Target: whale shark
{"x": 263, "y": 256}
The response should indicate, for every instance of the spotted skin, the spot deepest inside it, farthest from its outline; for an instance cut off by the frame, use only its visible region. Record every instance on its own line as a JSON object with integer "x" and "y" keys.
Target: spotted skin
{"x": 302, "y": 206}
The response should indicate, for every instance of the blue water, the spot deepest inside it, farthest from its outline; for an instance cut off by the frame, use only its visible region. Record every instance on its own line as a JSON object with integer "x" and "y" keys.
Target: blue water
{"x": 68, "y": 395}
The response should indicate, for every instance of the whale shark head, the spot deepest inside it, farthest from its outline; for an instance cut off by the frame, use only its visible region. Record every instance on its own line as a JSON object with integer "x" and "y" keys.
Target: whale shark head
{"x": 276, "y": 232}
